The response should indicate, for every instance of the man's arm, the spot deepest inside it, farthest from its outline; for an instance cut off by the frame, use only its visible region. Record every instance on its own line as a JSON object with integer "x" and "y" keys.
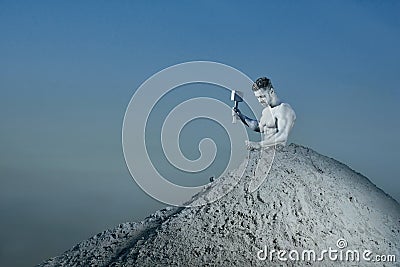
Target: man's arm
{"x": 252, "y": 124}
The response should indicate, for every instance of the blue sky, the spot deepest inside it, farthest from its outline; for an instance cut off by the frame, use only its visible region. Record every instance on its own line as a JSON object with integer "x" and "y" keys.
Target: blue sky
{"x": 69, "y": 68}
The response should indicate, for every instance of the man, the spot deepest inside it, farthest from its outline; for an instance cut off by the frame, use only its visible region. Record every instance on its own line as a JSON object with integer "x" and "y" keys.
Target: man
{"x": 277, "y": 118}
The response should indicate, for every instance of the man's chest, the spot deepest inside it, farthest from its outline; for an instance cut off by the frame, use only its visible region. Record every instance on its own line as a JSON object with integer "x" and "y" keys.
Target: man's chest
{"x": 267, "y": 118}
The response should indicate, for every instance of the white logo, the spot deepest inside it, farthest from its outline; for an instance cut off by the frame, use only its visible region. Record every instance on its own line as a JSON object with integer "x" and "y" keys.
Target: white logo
{"x": 341, "y": 243}
{"x": 137, "y": 126}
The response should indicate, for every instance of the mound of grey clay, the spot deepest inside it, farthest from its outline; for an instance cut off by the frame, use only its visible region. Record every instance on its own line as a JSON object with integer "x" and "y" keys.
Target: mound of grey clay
{"x": 307, "y": 202}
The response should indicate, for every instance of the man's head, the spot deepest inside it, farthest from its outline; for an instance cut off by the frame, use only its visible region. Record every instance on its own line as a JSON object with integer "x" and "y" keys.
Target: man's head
{"x": 264, "y": 91}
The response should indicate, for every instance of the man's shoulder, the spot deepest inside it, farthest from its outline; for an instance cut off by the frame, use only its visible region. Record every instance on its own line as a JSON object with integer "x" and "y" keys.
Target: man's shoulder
{"x": 286, "y": 110}
{"x": 285, "y": 106}
{"x": 282, "y": 107}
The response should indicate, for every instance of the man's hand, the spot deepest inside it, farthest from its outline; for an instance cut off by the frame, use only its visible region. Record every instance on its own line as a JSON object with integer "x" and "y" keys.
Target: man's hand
{"x": 237, "y": 111}
{"x": 252, "y": 145}
{"x": 255, "y": 87}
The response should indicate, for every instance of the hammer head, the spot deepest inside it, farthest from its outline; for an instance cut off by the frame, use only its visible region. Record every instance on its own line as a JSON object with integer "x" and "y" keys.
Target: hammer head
{"x": 236, "y": 96}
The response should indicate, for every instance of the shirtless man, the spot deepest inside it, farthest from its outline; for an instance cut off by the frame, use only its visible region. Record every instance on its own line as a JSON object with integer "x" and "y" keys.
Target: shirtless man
{"x": 277, "y": 118}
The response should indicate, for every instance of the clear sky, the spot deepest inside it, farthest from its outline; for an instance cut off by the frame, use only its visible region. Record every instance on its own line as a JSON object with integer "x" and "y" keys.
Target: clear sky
{"x": 69, "y": 68}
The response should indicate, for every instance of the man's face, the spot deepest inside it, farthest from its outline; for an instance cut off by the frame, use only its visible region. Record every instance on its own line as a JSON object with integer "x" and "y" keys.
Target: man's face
{"x": 262, "y": 97}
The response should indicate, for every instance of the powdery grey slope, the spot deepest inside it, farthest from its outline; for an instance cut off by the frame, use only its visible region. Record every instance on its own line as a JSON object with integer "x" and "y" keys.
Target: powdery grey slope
{"x": 307, "y": 201}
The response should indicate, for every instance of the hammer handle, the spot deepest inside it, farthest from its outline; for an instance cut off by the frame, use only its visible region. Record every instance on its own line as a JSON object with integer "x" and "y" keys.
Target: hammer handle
{"x": 234, "y": 116}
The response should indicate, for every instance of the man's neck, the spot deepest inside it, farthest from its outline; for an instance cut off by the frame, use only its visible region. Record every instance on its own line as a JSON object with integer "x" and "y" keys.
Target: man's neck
{"x": 275, "y": 102}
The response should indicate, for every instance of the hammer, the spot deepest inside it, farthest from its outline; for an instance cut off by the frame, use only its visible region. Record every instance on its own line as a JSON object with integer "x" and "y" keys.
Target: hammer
{"x": 236, "y": 96}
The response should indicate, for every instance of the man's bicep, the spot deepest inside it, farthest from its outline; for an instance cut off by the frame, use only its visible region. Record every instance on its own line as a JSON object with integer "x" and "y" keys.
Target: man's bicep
{"x": 285, "y": 124}
{"x": 254, "y": 125}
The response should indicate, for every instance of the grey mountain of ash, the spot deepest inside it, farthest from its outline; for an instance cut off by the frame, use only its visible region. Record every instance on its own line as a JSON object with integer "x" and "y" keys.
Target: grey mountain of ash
{"x": 308, "y": 201}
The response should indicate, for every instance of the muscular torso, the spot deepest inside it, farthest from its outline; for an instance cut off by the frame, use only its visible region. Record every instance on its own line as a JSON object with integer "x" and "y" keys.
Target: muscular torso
{"x": 268, "y": 122}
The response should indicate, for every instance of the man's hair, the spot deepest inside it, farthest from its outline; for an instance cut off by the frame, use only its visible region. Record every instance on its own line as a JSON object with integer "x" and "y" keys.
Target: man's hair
{"x": 262, "y": 83}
